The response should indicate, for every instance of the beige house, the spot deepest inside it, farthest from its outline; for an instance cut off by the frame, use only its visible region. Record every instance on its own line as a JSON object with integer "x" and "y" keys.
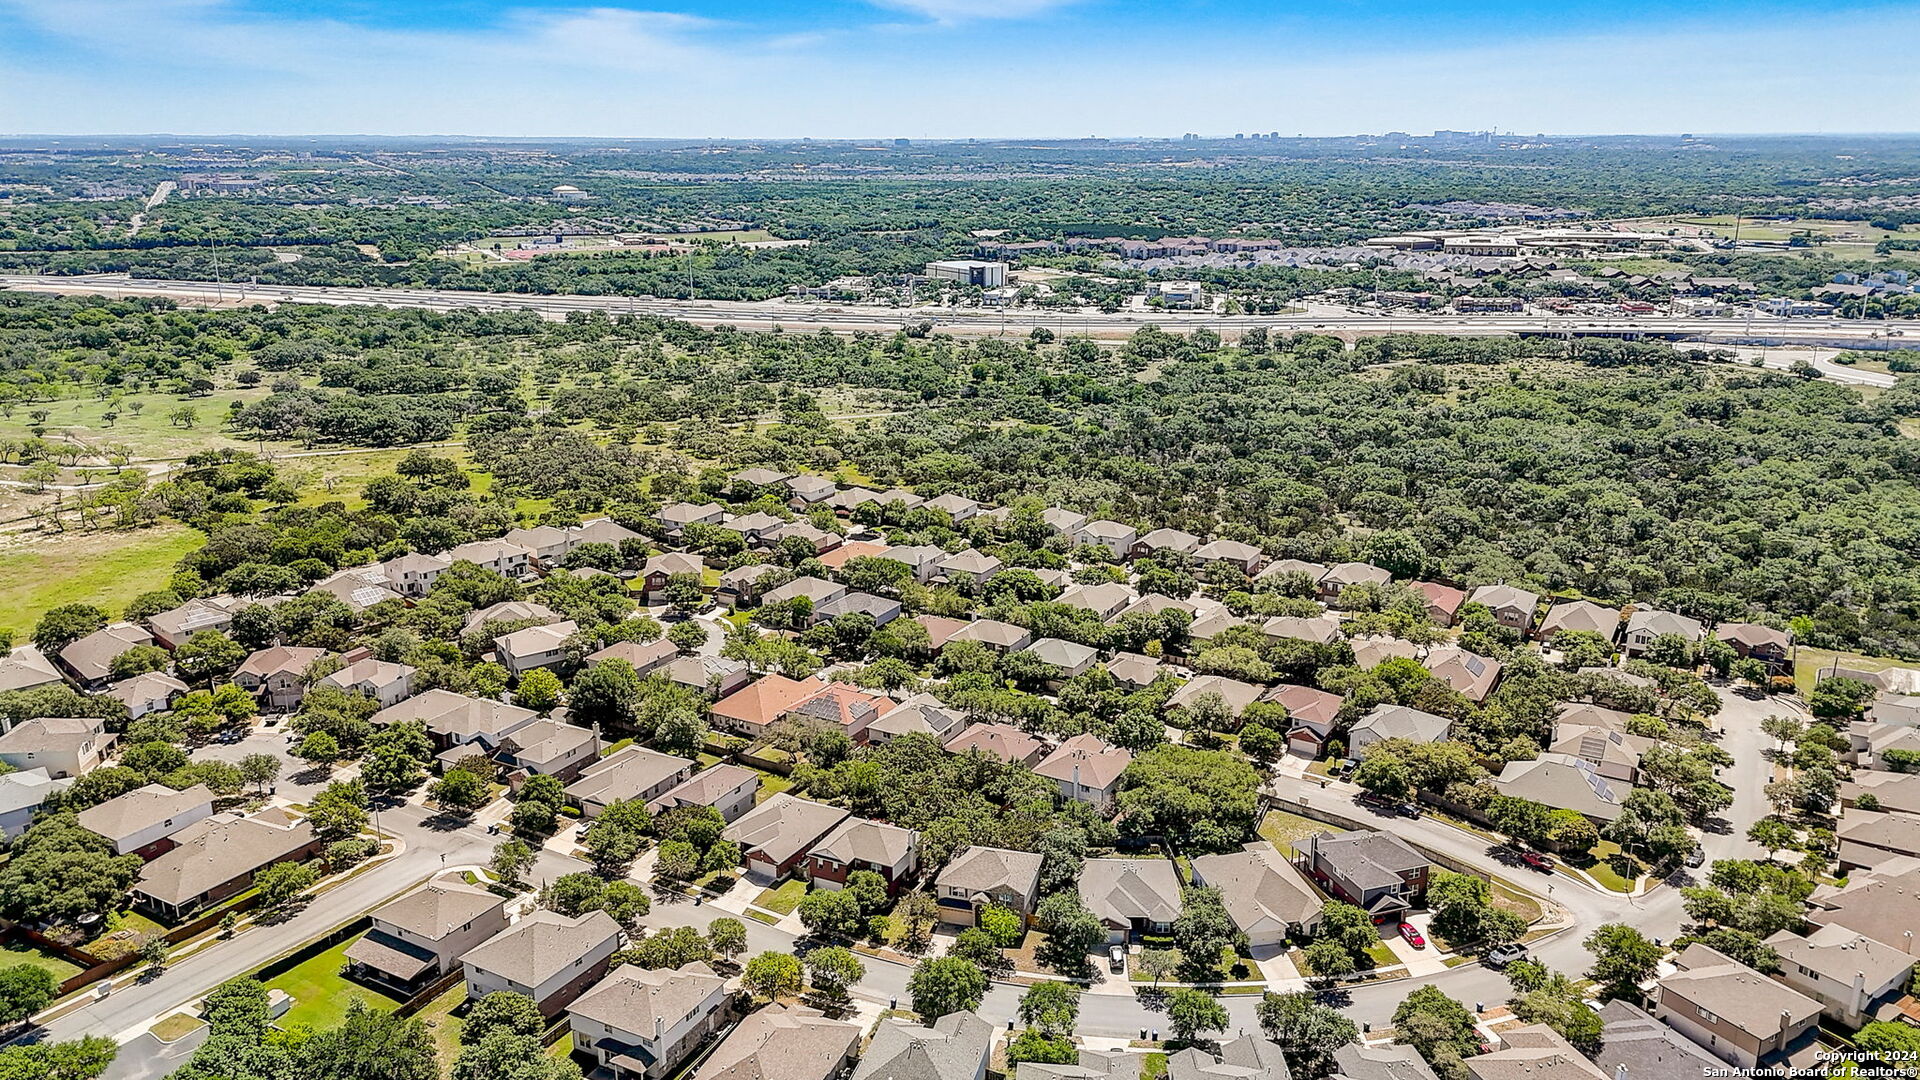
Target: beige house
{"x": 1131, "y": 897}
{"x": 278, "y": 675}
{"x": 385, "y": 682}
{"x": 730, "y": 789}
{"x": 788, "y": 1042}
{"x": 217, "y": 858}
{"x": 1511, "y": 607}
{"x": 147, "y": 693}
{"x": 61, "y": 745}
{"x": 1087, "y": 770}
{"x": 1263, "y": 894}
{"x": 641, "y": 1024}
{"x": 1737, "y": 1014}
{"x": 1580, "y": 615}
{"x": 545, "y": 956}
{"x": 983, "y": 877}
{"x": 633, "y": 773}
{"x": 1855, "y": 979}
{"x": 90, "y": 659}
{"x": 143, "y": 821}
{"x": 422, "y": 935}
{"x": 534, "y": 647}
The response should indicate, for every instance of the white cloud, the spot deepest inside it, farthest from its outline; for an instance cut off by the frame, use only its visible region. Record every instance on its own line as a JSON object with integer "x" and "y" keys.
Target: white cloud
{"x": 957, "y": 11}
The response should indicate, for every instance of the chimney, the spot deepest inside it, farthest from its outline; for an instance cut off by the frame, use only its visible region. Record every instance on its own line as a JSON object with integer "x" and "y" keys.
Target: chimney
{"x": 1076, "y": 774}
{"x": 1859, "y": 991}
{"x": 659, "y": 1028}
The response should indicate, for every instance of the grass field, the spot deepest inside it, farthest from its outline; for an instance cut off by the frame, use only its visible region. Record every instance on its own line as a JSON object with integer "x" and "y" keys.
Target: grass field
{"x": 176, "y": 1027}
{"x": 439, "y": 1018}
{"x": 1809, "y": 663}
{"x": 20, "y": 952}
{"x": 147, "y": 433}
{"x": 1284, "y": 830}
{"x": 106, "y": 568}
{"x": 320, "y": 995}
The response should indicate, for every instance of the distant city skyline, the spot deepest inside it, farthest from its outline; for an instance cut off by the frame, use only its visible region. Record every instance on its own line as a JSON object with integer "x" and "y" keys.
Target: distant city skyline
{"x": 928, "y": 69}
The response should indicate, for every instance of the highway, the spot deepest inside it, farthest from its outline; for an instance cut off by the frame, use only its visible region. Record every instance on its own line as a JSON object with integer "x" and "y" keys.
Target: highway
{"x": 1767, "y": 330}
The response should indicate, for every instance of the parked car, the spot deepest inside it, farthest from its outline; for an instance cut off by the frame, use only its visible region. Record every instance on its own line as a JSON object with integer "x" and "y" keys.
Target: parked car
{"x": 1413, "y": 935}
{"x": 1501, "y": 955}
{"x": 1537, "y": 861}
{"x": 1697, "y": 857}
{"x": 1116, "y": 959}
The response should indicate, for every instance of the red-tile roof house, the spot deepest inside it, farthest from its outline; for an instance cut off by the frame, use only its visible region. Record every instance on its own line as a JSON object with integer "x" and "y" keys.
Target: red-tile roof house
{"x": 750, "y": 710}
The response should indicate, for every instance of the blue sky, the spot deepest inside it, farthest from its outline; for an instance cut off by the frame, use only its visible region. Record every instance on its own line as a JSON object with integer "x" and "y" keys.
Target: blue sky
{"x": 935, "y": 68}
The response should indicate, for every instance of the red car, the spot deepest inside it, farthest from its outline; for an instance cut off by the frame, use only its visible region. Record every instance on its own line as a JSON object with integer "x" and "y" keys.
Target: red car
{"x": 1412, "y": 934}
{"x": 1536, "y": 860}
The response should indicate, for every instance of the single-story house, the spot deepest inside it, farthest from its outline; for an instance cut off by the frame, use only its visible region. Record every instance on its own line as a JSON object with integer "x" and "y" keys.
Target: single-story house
{"x": 1131, "y": 897}
{"x": 730, "y": 789}
{"x": 1265, "y": 896}
{"x": 218, "y": 857}
{"x": 632, "y": 773}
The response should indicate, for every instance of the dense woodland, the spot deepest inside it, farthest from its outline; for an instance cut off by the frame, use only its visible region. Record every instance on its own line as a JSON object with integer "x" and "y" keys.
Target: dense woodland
{"x": 1618, "y": 471}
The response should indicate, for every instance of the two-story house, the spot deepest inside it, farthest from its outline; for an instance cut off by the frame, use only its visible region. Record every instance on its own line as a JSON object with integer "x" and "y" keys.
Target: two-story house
{"x": 143, "y": 821}
{"x": 1087, "y": 770}
{"x": 641, "y": 1024}
{"x": 545, "y": 956}
{"x": 64, "y": 746}
{"x": 983, "y": 877}
{"x": 278, "y": 675}
{"x": 631, "y": 773}
{"x": 421, "y": 936}
{"x": 859, "y": 844}
{"x": 1375, "y": 871}
{"x": 1737, "y": 1014}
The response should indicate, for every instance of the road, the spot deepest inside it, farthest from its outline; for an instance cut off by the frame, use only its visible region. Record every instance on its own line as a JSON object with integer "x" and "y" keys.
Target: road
{"x": 1839, "y": 333}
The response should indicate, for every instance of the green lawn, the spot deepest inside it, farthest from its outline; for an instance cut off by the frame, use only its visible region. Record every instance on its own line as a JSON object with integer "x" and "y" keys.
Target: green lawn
{"x": 21, "y": 952}
{"x": 1810, "y": 663}
{"x": 783, "y": 897}
{"x": 320, "y": 994}
{"x": 439, "y": 1018}
{"x": 176, "y": 1027}
{"x": 103, "y": 568}
{"x": 1381, "y": 955}
{"x": 1284, "y": 830}
{"x": 147, "y": 433}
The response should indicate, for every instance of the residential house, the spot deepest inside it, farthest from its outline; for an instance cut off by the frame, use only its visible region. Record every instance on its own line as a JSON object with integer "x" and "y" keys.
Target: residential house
{"x": 1249, "y": 1057}
{"x": 632, "y": 773}
{"x": 644, "y": 657}
{"x": 778, "y": 833}
{"x": 1899, "y": 792}
{"x": 1069, "y": 658}
{"x": 173, "y": 627}
{"x": 743, "y": 584}
{"x": 1265, "y": 896}
{"x": 1131, "y": 897}
{"x": 1471, "y": 675}
{"x": 1372, "y": 650}
{"x": 923, "y": 559}
{"x": 1341, "y": 575}
{"x": 90, "y": 659}
{"x": 1443, "y": 601}
{"x": 1868, "y": 838}
{"x": 1116, "y": 538}
{"x": 387, "y": 683}
{"x": 822, "y": 540}
{"x": 1233, "y": 694}
{"x": 1166, "y": 540}
{"x": 549, "y": 748}
{"x": 534, "y": 647}
{"x": 1631, "y": 1039}
{"x": 1737, "y": 1014}
{"x": 878, "y": 608}
{"x": 904, "y": 499}
{"x": 421, "y": 936}
{"x": 1615, "y": 755}
{"x": 1002, "y": 741}
{"x": 503, "y": 558}
{"x": 1280, "y": 568}
{"x": 958, "y": 508}
{"x": 1579, "y": 616}
{"x": 1358, "y": 1061}
{"x": 1087, "y": 770}
{"x": 714, "y": 676}
{"x": 1563, "y": 782}
{"x": 359, "y": 587}
{"x": 1320, "y": 630}
{"x": 1855, "y": 979}
{"x": 218, "y": 857}
{"x": 1375, "y": 871}
{"x": 755, "y": 528}
{"x": 1534, "y": 1050}
{"x": 1877, "y": 903}
{"x": 858, "y": 844}
{"x": 815, "y": 590}
{"x": 843, "y": 705}
{"x": 548, "y": 543}
{"x": 642, "y": 1024}
{"x": 509, "y": 611}
{"x": 940, "y": 629}
{"x": 1512, "y": 607}
{"x": 999, "y": 636}
{"x": 1312, "y": 714}
{"x": 600, "y": 531}
{"x": 545, "y": 956}
{"x": 758, "y": 478}
{"x": 1581, "y": 714}
{"x": 839, "y": 557}
{"x": 278, "y": 675}
{"x": 675, "y": 517}
{"x": 1396, "y": 722}
{"x": 970, "y": 567}
{"x": 144, "y": 821}
{"x": 1133, "y": 669}
{"x": 456, "y": 720}
{"x": 784, "y": 1042}
{"x": 149, "y": 692}
{"x": 1646, "y": 624}
{"x": 1062, "y": 522}
{"x": 661, "y": 568}
{"x": 847, "y": 500}
{"x": 921, "y": 714}
{"x": 752, "y": 709}
{"x": 1106, "y": 599}
{"x": 1153, "y": 604}
{"x": 808, "y": 490}
{"x": 954, "y": 1047}
{"x": 21, "y": 796}
{"x": 983, "y": 877}
{"x": 1242, "y": 557}
{"x": 730, "y": 789}
{"x": 27, "y": 668}
{"x": 63, "y": 746}
{"x": 1764, "y": 643}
